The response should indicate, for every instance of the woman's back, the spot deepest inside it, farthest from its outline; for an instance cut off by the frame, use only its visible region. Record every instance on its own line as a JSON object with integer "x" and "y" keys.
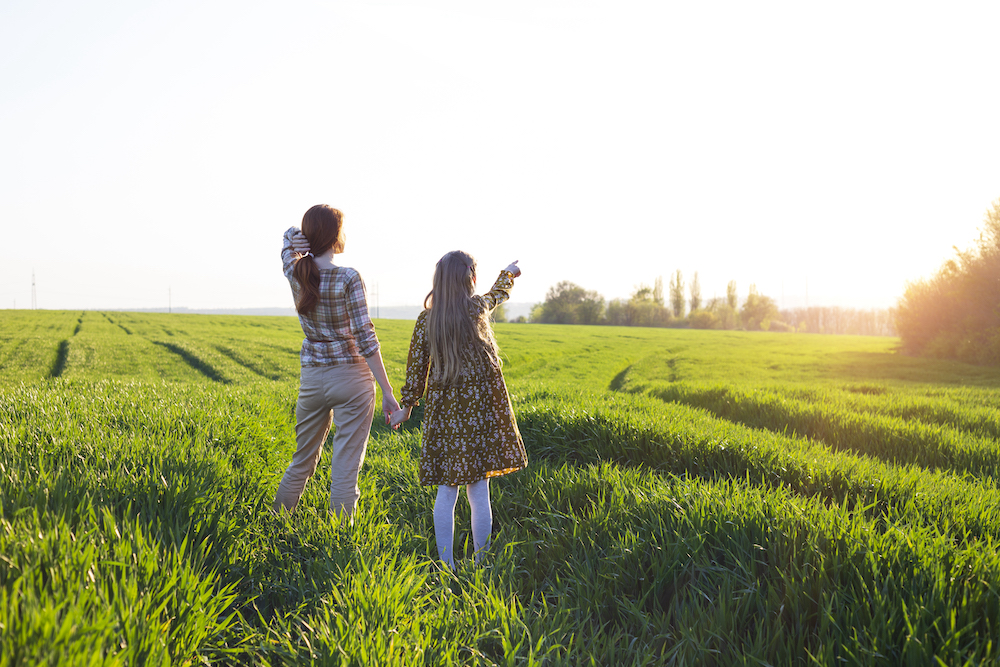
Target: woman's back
{"x": 338, "y": 328}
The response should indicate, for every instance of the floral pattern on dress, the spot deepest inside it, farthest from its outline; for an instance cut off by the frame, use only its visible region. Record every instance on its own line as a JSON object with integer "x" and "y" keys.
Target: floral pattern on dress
{"x": 469, "y": 429}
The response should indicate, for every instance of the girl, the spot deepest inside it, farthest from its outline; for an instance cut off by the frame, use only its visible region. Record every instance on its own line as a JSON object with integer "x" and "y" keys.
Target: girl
{"x": 469, "y": 432}
{"x": 341, "y": 360}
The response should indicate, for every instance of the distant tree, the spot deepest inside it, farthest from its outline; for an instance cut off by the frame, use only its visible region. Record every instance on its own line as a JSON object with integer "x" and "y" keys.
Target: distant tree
{"x": 726, "y": 316}
{"x": 644, "y": 311}
{"x": 658, "y": 291}
{"x": 618, "y": 313}
{"x": 643, "y": 292}
{"x": 568, "y": 303}
{"x": 836, "y": 320}
{"x": 560, "y": 303}
{"x": 677, "y": 294}
{"x": 537, "y": 312}
{"x": 591, "y": 309}
{"x": 757, "y": 311}
{"x": 695, "y": 293}
{"x": 731, "y": 296}
{"x": 499, "y": 313}
{"x": 956, "y": 313}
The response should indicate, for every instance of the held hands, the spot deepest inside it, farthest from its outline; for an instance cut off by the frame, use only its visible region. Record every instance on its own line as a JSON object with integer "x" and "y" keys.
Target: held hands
{"x": 514, "y": 268}
{"x": 398, "y": 417}
{"x": 389, "y": 408}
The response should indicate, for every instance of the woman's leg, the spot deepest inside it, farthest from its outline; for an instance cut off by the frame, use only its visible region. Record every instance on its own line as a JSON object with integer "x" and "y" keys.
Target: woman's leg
{"x": 482, "y": 516}
{"x": 312, "y": 424}
{"x": 351, "y": 392}
{"x": 444, "y": 522}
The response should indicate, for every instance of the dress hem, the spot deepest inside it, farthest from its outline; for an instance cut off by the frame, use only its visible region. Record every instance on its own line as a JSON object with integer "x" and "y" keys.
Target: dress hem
{"x": 463, "y": 481}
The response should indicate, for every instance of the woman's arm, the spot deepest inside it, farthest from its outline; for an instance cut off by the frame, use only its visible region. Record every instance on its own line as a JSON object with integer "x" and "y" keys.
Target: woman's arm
{"x": 389, "y": 403}
{"x": 294, "y": 245}
{"x": 367, "y": 341}
{"x": 288, "y": 254}
{"x": 359, "y": 319}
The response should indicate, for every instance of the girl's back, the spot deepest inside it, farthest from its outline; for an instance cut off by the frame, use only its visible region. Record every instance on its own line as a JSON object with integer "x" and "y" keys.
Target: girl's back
{"x": 469, "y": 431}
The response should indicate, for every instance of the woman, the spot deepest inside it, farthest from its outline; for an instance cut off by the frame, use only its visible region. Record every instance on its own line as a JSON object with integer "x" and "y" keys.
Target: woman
{"x": 340, "y": 359}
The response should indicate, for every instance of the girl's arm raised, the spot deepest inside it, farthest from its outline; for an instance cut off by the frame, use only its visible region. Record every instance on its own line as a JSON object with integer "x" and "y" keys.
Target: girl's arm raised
{"x": 500, "y": 291}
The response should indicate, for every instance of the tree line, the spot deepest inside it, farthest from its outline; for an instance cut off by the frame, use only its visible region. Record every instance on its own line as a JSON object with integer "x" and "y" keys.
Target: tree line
{"x": 682, "y": 305}
{"x": 956, "y": 312}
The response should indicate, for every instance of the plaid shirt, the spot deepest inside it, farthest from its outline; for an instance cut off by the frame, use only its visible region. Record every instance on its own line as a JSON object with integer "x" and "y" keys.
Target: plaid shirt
{"x": 339, "y": 329}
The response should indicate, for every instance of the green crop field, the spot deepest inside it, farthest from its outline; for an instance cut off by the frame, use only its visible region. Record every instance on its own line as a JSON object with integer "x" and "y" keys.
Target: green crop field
{"x": 692, "y": 497}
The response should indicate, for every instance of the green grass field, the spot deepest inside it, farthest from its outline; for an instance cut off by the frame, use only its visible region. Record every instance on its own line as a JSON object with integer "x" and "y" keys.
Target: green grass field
{"x": 692, "y": 497}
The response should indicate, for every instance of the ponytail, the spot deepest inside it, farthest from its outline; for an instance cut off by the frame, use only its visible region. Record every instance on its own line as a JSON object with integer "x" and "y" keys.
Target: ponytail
{"x": 323, "y": 226}
{"x": 307, "y": 274}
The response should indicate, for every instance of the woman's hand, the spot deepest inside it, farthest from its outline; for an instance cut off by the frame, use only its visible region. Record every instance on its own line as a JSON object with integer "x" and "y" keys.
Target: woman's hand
{"x": 300, "y": 243}
{"x": 513, "y": 268}
{"x": 399, "y": 416}
{"x": 389, "y": 406}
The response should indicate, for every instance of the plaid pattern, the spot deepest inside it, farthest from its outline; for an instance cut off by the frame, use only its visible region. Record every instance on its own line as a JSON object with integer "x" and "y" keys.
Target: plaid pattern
{"x": 339, "y": 330}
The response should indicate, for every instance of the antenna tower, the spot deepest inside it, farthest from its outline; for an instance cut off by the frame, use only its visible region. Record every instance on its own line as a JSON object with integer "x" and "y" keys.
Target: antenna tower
{"x": 34, "y": 298}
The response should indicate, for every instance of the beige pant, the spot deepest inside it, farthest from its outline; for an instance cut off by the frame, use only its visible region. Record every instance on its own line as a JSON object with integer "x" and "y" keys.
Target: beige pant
{"x": 345, "y": 396}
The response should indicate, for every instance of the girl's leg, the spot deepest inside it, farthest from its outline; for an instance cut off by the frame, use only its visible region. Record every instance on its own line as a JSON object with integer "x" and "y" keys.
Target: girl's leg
{"x": 444, "y": 522}
{"x": 482, "y": 516}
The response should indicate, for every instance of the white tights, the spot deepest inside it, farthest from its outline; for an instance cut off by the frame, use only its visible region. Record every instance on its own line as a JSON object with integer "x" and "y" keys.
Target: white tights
{"x": 444, "y": 519}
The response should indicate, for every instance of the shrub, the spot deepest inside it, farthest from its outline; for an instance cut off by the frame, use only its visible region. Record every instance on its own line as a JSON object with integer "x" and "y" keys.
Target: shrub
{"x": 956, "y": 313}
{"x": 703, "y": 319}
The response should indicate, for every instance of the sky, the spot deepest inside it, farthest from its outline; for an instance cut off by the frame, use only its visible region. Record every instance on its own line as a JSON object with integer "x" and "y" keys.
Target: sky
{"x": 152, "y": 153}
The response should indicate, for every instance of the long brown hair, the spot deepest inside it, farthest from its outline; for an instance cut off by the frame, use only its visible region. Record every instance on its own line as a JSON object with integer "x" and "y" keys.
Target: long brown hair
{"x": 323, "y": 226}
{"x": 454, "y": 323}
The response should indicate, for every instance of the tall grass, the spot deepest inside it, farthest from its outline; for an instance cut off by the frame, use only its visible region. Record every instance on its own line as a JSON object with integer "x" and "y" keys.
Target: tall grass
{"x": 666, "y": 517}
{"x": 871, "y": 432}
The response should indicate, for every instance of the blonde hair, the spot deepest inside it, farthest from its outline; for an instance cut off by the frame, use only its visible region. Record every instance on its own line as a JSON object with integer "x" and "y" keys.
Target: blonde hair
{"x": 455, "y": 323}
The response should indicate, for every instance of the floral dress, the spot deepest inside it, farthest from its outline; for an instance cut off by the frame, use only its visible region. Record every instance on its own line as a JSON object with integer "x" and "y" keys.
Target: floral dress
{"x": 469, "y": 431}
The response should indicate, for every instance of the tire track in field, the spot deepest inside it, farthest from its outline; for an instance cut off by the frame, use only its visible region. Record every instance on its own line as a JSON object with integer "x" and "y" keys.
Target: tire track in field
{"x": 120, "y": 326}
{"x": 247, "y": 365}
{"x": 619, "y": 381}
{"x": 891, "y": 439}
{"x": 59, "y": 365}
{"x": 688, "y": 444}
{"x": 192, "y": 360}
{"x": 62, "y": 351}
